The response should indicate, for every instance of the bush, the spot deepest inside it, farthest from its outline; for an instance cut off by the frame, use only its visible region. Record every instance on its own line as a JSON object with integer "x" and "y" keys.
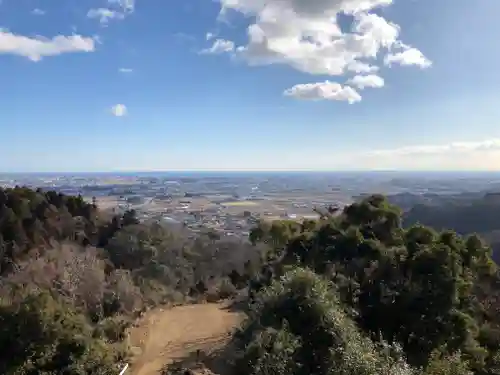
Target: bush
{"x": 114, "y": 328}
{"x": 272, "y": 351}
{"x": 40, "y": 335}
{"x": 440, "y": 364}
{"x": 314, "y": 335}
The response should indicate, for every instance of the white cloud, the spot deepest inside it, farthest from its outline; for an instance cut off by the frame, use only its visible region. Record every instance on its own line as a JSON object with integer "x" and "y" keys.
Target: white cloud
{"x": 209, "y": 36}
{"x": 306, "y": 35}
{"x": 362, "y": 82}
{"x": 105, "y": 14}
{"x": 408, "y": 56}
{"x": 324, "y": 91}
{"x": 481, "y": 155}
{"x": 35, "y": 48}
{"x": 127, "y": 6}
{"x": 38, "y": 12}
{"x": 125, "y": 70}
{"x": 453, "y": 147}
{"x": 360, "y": 67}
{"x": 117, "y": 10}
{"x": 220, "y": 46}
{"x": 119, "y": 110}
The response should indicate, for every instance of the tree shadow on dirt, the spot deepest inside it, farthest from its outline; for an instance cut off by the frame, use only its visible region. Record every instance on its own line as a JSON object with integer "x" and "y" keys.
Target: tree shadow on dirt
{"x": 219, "y": 361}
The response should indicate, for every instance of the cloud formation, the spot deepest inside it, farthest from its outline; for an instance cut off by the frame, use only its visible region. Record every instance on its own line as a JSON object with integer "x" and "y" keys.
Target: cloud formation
{"x": 362, "y": 82}
{"x": 127, "y": 6}
{"x": 306, "y": 35}
{"x": 480, "y": 155}
{"x": 104, "y": 15}
{"x": 407, "y": 57}
{"x": 36, "y": 48}
{"x": 219, "y": 46}
{"x": 119, "y": 110}
{"x": 453, "y": 147}
{"x": 38, "y": 12}
{"x": 117, "y": 10}
{"x": 324, "y": 91}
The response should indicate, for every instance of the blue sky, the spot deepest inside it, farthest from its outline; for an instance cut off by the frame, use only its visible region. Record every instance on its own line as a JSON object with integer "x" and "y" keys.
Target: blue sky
{"x": 105, "y": 85}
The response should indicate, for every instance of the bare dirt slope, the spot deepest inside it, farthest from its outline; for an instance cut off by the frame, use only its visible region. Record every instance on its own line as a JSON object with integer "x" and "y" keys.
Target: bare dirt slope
{"x": 164, "y": 336}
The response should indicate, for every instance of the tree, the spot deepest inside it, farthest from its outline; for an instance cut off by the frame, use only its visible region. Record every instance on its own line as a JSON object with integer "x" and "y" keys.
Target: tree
{"x": 298, "y": 326}
{"x": 410, "y": 287}
{"x": 39, "y": 335}
{"x": 130, "y": 218}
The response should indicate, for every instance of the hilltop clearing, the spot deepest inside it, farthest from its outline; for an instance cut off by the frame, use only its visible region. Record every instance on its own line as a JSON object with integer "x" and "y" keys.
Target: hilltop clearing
{"x": 165, "y": 336}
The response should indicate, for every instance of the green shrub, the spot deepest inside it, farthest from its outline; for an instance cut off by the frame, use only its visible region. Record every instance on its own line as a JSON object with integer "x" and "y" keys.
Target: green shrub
{"x": 43, "y": 336}
{"x": 300, "y": 320}
{"x": 440, "y": 364}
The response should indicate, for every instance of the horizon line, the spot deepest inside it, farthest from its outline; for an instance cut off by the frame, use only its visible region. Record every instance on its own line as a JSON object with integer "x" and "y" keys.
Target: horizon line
{"x": 255, "y": 171}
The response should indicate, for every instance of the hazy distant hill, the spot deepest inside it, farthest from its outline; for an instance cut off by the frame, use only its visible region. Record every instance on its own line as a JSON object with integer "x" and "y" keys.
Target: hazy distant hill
{"x": 408, "y": 200}
{"x": 463, "y": 213}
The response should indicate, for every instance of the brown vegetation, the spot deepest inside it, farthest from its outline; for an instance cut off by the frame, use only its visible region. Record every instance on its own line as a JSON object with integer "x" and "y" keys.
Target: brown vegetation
{"x": 72, "y": 281}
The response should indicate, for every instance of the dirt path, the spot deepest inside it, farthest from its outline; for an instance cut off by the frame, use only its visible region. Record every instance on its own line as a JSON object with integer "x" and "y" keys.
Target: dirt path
{"x": 167, "y": 335}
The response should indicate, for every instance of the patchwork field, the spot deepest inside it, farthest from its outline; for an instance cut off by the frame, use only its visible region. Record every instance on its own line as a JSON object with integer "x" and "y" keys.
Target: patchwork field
{"x": 240, "y": 204}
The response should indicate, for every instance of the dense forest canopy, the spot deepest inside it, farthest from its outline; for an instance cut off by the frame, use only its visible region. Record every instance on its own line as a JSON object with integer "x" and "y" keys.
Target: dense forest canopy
{"x": 428, "y": 297}
{"x": 355, "y": 292}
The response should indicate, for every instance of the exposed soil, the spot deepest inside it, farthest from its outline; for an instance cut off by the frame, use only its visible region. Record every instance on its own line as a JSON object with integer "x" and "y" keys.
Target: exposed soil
{"x": 180, "y": 334}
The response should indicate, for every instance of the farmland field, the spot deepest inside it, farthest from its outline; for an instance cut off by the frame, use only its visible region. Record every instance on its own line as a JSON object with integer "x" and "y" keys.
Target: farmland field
{"x": 240, "y": 204}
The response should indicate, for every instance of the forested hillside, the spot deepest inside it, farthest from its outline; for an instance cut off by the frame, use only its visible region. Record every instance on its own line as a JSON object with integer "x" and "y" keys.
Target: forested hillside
{"x": 354, "y": 292}
{"x": 359, "y": 294}
{"x": 465, "y": 216}
{"x": 72, "y": 281}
